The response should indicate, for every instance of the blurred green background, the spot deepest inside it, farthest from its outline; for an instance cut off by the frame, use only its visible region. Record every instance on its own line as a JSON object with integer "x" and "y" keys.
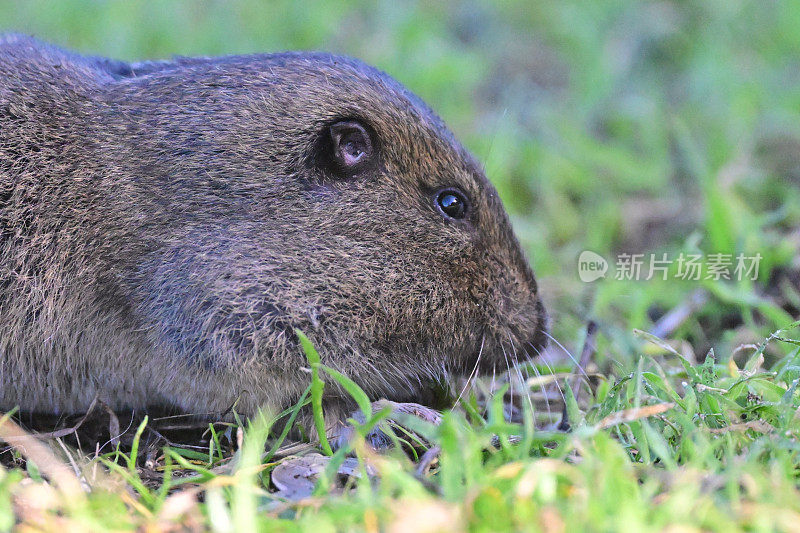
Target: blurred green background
{"x": 616, "y": 126}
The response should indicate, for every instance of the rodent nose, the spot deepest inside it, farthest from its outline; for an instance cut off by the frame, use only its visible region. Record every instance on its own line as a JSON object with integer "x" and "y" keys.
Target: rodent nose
{"x": 528, "y": 325}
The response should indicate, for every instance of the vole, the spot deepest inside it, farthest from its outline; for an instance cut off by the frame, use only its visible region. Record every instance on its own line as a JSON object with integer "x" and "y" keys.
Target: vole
{"x": 165, "y": 227}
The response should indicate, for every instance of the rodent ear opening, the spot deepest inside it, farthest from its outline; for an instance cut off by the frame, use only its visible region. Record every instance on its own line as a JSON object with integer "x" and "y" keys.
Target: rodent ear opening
{"x": 347, "y": 147}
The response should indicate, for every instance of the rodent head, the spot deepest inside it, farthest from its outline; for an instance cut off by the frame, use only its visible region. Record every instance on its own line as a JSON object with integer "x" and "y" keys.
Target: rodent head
{"x": 310, "y": 191}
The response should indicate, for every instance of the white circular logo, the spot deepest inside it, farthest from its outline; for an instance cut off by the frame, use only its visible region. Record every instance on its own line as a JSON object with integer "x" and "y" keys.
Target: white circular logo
{"x": 591, "y": 266}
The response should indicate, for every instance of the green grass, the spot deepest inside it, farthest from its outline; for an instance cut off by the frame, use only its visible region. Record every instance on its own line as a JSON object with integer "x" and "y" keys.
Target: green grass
{"x": 615, "y": 126}
{"x": 711, "y": 446}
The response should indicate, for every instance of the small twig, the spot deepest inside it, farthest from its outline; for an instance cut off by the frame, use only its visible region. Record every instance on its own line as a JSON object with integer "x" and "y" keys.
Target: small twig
{"x": 72, "y": 462}
{"x": 292, "y": 448}
{"x": 588, "y": 351}
{"x": 172, "y": 444}
{"x": 678, "y": 315}
{"x": 205, "y": 416}
{"x": 191, "y": 426}
{"x": 183, "y": 415}
{"x": 70, "y": 430}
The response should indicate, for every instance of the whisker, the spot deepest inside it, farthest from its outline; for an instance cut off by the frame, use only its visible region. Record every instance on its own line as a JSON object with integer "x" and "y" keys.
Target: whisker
{"x": 508, "y": 377}
{"x": 522, "y": 384}
{"x": 531, "y": 414}
{"x": 546, "y": 403}
{"x": 494, "y": 375}
{"x": 474, "y": 370}
{"x": 550, "y": 368}
{"x": 577, "y": 363}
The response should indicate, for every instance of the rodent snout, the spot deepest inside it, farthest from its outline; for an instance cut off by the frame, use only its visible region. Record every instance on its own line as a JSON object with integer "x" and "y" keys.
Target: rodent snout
{"x": 519, "y": 337}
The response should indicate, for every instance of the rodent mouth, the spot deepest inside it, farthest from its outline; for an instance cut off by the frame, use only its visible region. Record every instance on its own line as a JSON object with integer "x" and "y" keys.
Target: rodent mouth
{"x": 501, "y": 352}
{"x": 497, "y": 357}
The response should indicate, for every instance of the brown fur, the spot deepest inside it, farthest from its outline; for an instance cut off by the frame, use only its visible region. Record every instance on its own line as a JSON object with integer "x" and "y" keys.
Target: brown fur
{"x": 164, "y": 226}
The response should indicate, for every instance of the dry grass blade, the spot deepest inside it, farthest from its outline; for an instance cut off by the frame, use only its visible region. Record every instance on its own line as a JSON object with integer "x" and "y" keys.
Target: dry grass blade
{"x": 180, "y": 505}
{"x": 426, "y": 516}
{"x": 756, "y": 425}
{"x": 629, "y": 415}
{"x": 661, "y": 343}
{"x": 34, "y": 450}
{"x": 545, "y": 379}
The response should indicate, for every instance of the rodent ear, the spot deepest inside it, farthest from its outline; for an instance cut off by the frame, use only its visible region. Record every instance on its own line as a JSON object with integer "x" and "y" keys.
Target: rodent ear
{"x": 351, "y": 145}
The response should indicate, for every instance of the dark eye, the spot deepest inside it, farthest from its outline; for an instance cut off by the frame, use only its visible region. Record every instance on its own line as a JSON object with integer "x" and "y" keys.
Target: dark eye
{"x": 452, "y": 204}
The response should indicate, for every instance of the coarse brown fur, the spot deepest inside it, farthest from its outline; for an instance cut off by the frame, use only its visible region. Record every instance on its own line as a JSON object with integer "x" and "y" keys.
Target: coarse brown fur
{"x": 165, "y": 226}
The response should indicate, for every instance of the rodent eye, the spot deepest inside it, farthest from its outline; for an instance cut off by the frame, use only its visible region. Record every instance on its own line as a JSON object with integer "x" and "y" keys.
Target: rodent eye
{"x": 452, "y": 204}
